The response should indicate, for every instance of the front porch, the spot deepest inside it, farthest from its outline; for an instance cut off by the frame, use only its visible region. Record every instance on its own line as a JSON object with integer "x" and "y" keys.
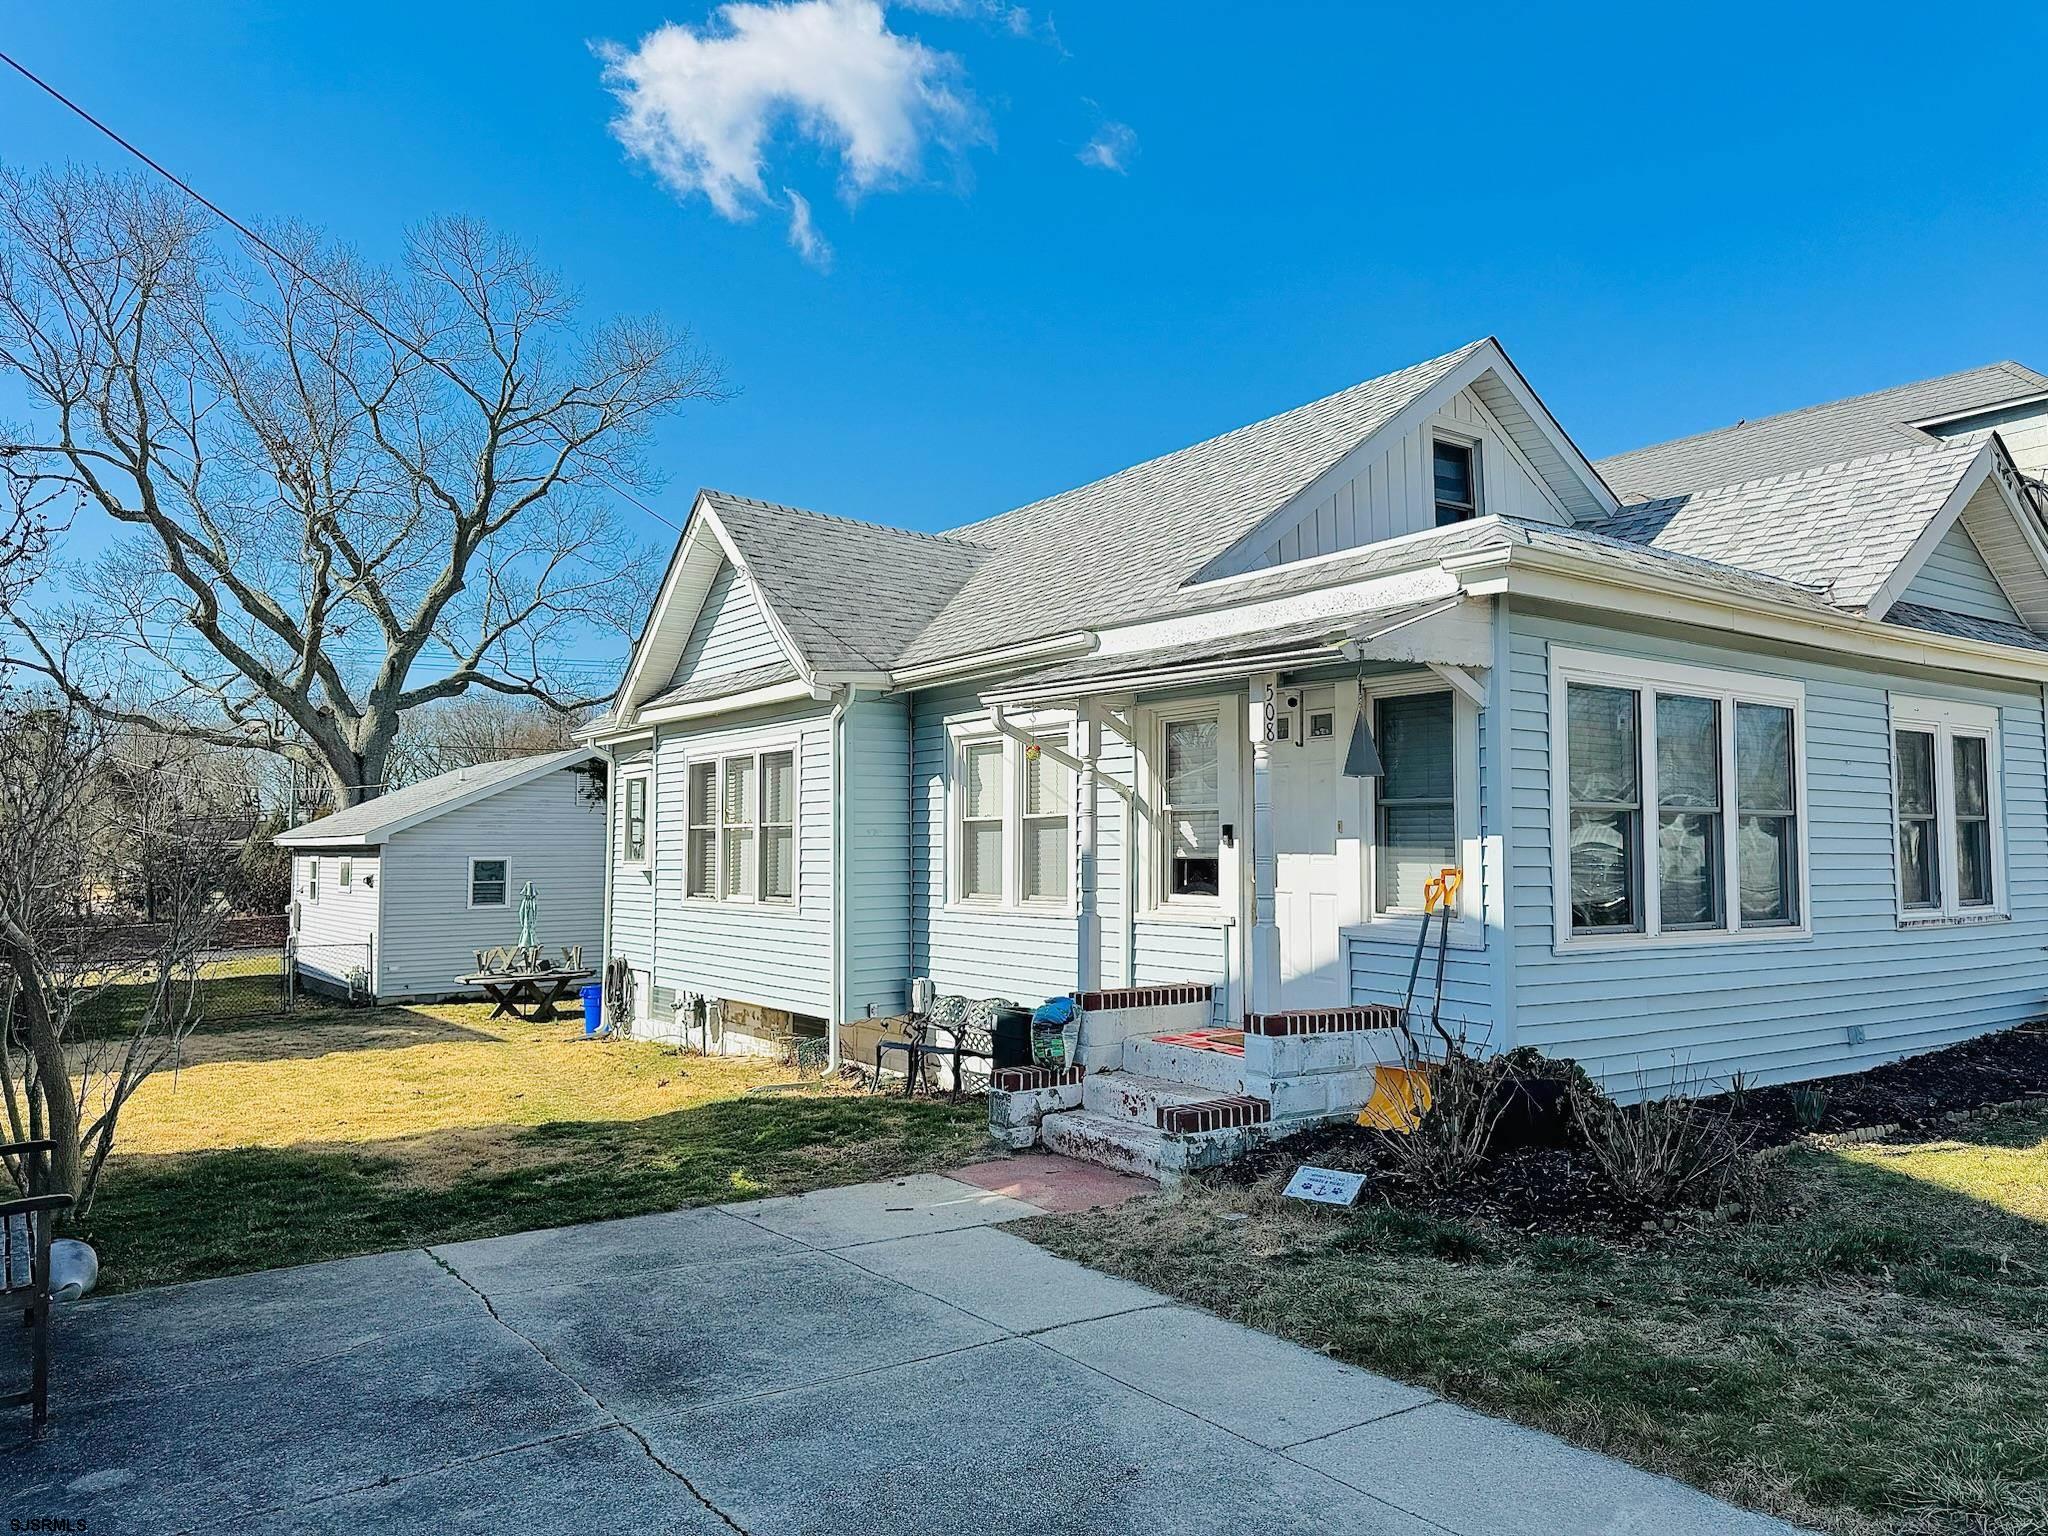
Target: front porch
{"x": 1298, "y": 787}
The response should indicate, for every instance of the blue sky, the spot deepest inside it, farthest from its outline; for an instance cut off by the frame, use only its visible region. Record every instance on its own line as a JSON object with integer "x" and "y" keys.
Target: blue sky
{"x": 1672, "y": 217}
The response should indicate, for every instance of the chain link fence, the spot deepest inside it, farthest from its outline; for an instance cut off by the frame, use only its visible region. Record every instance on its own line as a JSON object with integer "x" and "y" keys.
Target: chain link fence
{"x": 328, "y": 973}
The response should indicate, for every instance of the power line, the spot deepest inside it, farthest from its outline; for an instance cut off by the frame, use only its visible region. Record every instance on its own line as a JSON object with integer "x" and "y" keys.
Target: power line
{"x": 250, "y": 235}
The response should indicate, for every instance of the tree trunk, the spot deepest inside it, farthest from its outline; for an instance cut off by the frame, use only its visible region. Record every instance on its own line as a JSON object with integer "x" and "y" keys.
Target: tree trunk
{"x": 53, "y": 1077}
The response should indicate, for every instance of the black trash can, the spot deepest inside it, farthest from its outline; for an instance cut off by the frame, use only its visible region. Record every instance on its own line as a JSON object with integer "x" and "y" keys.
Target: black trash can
{"x": 1011, "y": 1033}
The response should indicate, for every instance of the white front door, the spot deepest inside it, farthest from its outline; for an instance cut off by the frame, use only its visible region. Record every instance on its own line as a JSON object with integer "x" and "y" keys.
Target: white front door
{"x": 1309, "y": 824}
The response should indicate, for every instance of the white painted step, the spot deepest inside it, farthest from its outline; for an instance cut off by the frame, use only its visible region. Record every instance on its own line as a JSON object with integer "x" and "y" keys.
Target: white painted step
{"x": 1214, "y": 1072}
{"x": 1141, "y": 1149}
{"x": 1135, "y": 1097}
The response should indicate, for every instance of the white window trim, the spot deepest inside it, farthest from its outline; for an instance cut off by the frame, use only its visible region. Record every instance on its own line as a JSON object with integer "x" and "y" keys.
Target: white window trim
{"x": 717, "y": 757}
{"x": 1468, "y": 925}
{"x": 1160, "y": 905}
{"x": 345, "y": 875}
{"x": 470, "y": 890}
{"x": 1729, "y": 687}
{"x": 973, "y": 732}
{"x": 645, "y": 780}
{"x": 313, "y": 881}
{"x": 1946, "y": 719}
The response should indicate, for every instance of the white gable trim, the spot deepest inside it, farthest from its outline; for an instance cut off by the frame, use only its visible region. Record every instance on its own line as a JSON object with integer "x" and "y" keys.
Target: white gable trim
{"x": 704, "y": 545}
{"x": 1992, "y": 464}
{"x": 1487, "y": 359}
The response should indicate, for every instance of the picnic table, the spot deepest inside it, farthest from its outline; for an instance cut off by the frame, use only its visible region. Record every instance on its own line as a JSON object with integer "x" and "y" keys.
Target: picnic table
{"x": 537, "y": 991}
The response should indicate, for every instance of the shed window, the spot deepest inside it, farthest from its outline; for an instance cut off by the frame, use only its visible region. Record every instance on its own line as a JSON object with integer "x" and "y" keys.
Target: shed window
{"x": 1416, "y": 835}
{"x": 313, "y": 881}
{"x": 1457, "y": 482}
{"x": 1191, "y": 811}
{"x": 1946, "y": 800}
{"x": 1678, "y": 808}
{"x": 345, "y": 877}
{"x": 487, "y": 882}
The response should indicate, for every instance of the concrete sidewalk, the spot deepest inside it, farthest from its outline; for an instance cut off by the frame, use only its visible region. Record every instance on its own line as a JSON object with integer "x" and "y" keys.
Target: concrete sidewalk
{"x": 870, "y": 1359}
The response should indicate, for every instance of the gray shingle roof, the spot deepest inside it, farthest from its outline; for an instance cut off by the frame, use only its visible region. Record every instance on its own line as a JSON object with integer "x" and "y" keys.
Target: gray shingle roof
{"x": 1939, "y": 621}
{"x": 852, "y": 595}
{"x": 724, "y": 683}
{"x": 1839, "y": 528}
{"x": 1831, "y": 433}
{"x": 416, "y": 802}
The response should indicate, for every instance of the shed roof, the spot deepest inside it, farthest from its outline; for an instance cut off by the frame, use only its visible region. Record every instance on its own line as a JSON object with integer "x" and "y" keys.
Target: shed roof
{"x": 374, "y": 821}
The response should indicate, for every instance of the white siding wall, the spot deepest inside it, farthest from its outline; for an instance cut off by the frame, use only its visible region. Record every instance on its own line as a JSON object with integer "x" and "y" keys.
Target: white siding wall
{"x": 1395, "y": 493}
{"x": 1956, "y": 579}
{"x": 731, "y": 633}
{"x": 548, "y": 831}
{"x": 337, "y": 933}
{"x": 876, "y": 783}
{"x": 774, "y": 955}
{"x": 632, "y": 915}
{"x": 1782, "y": 1010}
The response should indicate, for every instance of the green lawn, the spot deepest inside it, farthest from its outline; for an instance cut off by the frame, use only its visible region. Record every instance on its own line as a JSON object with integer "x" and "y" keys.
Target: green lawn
{"x": 1868, "y": 1353}
{"x": 335, "y": 1132}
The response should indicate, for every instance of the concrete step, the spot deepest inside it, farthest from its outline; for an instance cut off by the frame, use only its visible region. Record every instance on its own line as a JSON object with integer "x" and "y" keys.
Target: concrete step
{"x": 1213, "y": 1072}
{"x": 1135, "y": 1097}
{"x": 1132, "y": 1148}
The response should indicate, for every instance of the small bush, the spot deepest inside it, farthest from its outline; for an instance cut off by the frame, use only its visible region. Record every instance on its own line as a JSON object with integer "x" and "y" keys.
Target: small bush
{"x": 1809, "y": 1107}
{"x": 1665, "y": 1153}
{"x": 1451, "y": 1139}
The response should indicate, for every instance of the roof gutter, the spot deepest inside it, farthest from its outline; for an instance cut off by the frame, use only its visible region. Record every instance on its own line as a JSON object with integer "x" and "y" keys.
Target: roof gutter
{"x": 1075, "y": 643}
{"x": 1556, "y": 575}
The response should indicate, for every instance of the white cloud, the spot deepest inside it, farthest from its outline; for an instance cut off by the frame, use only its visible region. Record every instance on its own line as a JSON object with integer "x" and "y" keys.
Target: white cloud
{"x": 1015, "y": 19}
{"x": 1113, "y": 148}
{"x": 803, "y": 234}
{"x": 701, "y": 105}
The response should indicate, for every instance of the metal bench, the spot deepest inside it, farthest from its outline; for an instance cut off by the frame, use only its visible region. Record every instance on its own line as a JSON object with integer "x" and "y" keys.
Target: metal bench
{"x": 25, "y": 1232}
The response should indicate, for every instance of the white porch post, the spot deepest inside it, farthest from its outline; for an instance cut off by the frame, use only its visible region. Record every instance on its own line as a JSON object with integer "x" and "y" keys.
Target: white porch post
{"x": 1262, "y": 985}
{"x": 1087, "y": 914}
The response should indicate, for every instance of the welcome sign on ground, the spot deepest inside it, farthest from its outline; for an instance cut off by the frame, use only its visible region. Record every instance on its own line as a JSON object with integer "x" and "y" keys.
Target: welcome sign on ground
{"x": 1325, "y": 1186}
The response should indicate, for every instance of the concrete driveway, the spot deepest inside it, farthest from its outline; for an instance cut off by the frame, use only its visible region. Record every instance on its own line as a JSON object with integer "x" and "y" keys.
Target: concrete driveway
{"x": 873, "y": 1359}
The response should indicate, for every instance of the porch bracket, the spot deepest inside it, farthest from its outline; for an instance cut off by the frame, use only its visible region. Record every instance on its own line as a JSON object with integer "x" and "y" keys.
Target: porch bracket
{"x": 1066, "y": 760}
{"x": 1459, "y": 678}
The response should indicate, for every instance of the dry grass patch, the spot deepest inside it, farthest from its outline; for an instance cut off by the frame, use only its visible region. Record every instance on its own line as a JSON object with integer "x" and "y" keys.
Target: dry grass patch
{"x": 348, "y": 1132}
{"x": 1867, "y": 1354}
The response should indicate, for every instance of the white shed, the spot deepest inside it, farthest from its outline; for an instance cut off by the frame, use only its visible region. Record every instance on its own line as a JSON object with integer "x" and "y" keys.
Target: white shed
{"x": 395, "y": 896}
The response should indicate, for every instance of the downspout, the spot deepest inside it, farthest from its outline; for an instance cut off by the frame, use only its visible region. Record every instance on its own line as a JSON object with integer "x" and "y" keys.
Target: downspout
{"x": 604, "y": 932}
{"x": 843, "y": 698}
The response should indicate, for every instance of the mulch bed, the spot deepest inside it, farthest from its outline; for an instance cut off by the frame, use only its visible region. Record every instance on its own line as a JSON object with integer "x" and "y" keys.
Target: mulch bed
{"x": 1561, "y": 1189}
{"x": 1913, "y": 1094}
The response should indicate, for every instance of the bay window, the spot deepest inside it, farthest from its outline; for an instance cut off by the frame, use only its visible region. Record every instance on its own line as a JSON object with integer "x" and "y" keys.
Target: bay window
{"x": 1013, "y": 821}
{"x": 1678, "y": 811}
{"x": 1946, "y": 804}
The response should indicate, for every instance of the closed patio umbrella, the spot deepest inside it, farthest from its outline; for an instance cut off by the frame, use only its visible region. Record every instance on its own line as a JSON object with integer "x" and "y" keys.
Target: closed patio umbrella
{"x": 529, "y": 912}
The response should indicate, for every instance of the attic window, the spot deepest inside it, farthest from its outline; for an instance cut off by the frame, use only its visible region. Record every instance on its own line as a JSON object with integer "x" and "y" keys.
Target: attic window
{"x": 1457, "y": 482}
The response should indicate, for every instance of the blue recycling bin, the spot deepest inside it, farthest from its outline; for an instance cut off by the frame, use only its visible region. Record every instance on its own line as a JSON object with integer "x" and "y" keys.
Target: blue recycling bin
{"x": 593, "y": 1008}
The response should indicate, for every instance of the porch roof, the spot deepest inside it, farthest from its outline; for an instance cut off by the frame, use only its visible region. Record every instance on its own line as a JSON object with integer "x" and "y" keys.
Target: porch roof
{"x": 1310, "y": 642}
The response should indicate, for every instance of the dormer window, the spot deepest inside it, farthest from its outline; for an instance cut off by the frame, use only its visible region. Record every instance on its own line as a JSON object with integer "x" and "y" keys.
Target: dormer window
{"x": 1457, "y": 483}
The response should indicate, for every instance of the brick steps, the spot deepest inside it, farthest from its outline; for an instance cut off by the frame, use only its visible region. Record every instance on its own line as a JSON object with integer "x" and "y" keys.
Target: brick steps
{"x": 1145, "y": 1150}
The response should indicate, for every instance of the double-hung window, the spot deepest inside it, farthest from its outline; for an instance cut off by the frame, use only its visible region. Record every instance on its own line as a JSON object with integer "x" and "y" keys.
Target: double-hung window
{"x": 1946, "y": 799}
{"x": 1191, "y": 810}
{"x": 634, "y": 817}
{"x": 345, "y": 878}
{"x": 1456, "y": 469}
{"x": 1677, "y": 801}
{"x": 1014, "y": 821}
{"x": 740, "y": 840}
{"x": 489, "y": 883}
{"x": 1415, "y": 810}
{"x": 313, "y": 881}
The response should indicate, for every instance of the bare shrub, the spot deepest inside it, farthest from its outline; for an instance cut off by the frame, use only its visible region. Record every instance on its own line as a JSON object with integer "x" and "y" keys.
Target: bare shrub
{"x": 1664, "y": 1152}
{"x": 1450, "y": 1140}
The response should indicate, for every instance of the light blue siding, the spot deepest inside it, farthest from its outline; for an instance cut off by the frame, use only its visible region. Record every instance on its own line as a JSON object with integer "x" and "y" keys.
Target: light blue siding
{"x": 774, "y": 955}
{"x": 1956, "y": 579}
{"x": 731, "y": 633}
{"x": 1782, "y": 1010}
{"x": 632, "y": 906}
{"x": 1024, "y": 956}
{"x": 876, "y": 786}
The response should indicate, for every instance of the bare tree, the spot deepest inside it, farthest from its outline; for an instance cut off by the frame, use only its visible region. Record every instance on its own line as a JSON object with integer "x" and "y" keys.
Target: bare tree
{"x": 348, "y": 494}
{"x": 482, "y": 728}
{"x": 90, "y": 1002}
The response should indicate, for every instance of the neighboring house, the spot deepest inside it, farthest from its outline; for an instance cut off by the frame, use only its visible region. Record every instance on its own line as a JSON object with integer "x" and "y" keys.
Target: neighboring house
{"x": 1739, "y": 742}
{"x": 394, "y": 896}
